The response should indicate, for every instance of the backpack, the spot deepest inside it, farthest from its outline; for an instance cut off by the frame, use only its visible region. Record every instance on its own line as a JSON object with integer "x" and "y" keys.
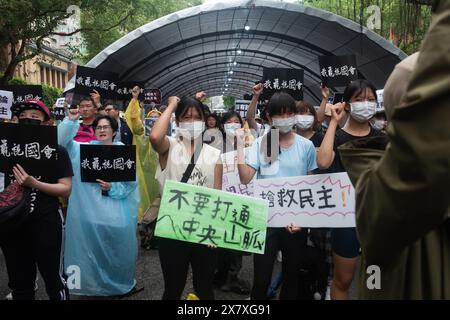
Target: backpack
{"x": 14, "y": 206}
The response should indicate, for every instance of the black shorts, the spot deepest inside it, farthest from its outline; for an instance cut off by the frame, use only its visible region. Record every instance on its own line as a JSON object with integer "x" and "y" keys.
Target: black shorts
{"x": 344, "y": 242}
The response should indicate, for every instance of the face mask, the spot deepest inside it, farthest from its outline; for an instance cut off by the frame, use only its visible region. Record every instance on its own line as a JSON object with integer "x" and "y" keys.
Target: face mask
{"x": 191, "y": 130}
{"x": 30, "y": 121}
{"x": 363, "y": 111}
{"x": 284, "y": 125}
{"x": 304, "y": 122}
{"x": 230, "y": 128}
{"x": 378, "y": 125}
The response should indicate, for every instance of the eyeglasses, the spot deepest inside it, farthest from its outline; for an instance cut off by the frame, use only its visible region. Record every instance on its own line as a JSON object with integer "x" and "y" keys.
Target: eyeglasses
{"x": 103, "y": 127}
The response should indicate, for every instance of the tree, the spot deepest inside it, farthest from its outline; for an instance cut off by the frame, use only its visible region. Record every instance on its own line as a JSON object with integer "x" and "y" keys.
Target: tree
{"x": 26, "y": 22}
{"x": 141, "y": 12}
{"x": 404, "y": 20}
{"x": 228, "y": 102}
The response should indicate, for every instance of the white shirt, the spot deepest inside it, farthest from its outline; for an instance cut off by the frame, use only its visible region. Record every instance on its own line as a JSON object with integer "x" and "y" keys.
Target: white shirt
{"x": 178, "y": 160}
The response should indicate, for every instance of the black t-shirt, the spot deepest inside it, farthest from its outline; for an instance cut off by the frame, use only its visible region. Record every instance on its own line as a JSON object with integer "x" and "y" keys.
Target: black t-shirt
{"x": 317, "y": 139}
{"x": 344, "y": 137}
{"x": 43, "y": 203}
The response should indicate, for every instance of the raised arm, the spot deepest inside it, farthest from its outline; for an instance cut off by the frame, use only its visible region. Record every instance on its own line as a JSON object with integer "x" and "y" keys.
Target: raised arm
{"x": 323, "y": 104}
{"x": 133, "y": 114}
{"x": 251, "y": 112}
{"x": 67, "y": 130}
{"x": 158, "y": 137}
{"x": 326, "y": 154}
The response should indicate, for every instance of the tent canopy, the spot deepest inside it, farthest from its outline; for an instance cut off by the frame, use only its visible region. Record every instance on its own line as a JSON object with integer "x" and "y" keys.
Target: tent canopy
{"x": 194, "y": 49}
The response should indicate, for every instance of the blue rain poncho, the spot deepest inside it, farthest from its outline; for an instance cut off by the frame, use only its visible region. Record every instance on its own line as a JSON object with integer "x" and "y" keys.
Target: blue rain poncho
{"x": 100, "y": 231}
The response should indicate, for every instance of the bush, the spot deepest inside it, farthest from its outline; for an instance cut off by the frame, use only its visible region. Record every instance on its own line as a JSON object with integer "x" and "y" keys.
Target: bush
{"x": 49, "y": 93}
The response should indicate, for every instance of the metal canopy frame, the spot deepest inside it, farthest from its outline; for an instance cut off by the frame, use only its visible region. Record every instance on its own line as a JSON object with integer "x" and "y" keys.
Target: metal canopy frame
{"x": 193, "y": 49}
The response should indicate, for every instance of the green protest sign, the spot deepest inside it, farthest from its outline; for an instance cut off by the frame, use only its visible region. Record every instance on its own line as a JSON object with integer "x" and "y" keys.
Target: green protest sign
{"x": 209, "y": 216}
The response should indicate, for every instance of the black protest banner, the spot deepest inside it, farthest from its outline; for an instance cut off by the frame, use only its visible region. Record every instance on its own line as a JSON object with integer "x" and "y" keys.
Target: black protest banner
{"x": 124, "y": 90}
{"x": 152, "y": 95}
{"x": 338, "y": 71}
{"x": 34, "y": 147}
{"x": 24, "y": 92}
{"x": 286, "y": 80}
{"x": 111, "y": 163}
{"x": 241, "y": 107}
{"x": 58, "y": 113}
{"x": 89, "y": 79}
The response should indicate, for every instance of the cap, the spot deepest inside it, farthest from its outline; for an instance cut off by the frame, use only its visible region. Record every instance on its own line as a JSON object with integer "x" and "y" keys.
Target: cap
{"x": 18, "y": 107}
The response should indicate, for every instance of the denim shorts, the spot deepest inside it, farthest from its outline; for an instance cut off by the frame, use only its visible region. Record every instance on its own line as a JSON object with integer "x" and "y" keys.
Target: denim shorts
{"x": 344, "y": 242}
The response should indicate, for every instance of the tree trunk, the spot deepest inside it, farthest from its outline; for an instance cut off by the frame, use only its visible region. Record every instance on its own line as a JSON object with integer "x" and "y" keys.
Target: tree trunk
{"x": 9, "y": 72}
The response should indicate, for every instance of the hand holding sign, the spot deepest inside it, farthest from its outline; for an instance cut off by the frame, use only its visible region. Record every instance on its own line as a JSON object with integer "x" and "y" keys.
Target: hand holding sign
{"x": 96, "y": 97}
{"x": 293, "y": 229}
{"x": 23, "y": 178}
{"x": 258, "y": 89}
{"x": 105, "y": 186}
{"x": 74, "y": 114}
{"x": 325, "y": 92}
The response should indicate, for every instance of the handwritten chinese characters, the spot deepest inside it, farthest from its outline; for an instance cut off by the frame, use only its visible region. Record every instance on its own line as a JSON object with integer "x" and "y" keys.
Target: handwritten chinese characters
{"x": 208, "y": 216}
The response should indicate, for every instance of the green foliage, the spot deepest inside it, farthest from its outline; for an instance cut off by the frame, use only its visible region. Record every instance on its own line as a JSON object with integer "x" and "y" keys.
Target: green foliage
{"x": 132, "y": 14}
{"x": 50, "y": 94}
{"x": 407, "y": 21}
{"x": 228, "y": 101}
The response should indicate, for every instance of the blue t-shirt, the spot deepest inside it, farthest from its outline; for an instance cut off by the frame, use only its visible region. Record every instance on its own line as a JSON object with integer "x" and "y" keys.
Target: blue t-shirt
{"x": 297, "y": 160}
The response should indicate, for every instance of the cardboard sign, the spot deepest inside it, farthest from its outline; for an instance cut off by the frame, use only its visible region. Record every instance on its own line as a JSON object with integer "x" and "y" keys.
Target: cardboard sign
{"x": 209, "y": 216}
{"x": 34, "y": 147}
{"x": 338, "y": 71}
{"x": 152, "y": 95}
{"x": 124, "y": 90}
{"x": 6, "y": 101}
{"x": 89, "y": 79}
{"x": 287, "y": 80}
{"x": 24, "y": 92}
{"x": 317, "y": 201}
{"x": 110, "y": 163}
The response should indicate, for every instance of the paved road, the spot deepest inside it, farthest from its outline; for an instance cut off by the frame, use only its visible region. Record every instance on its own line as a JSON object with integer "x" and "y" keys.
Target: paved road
{"x": 149, "y": 276}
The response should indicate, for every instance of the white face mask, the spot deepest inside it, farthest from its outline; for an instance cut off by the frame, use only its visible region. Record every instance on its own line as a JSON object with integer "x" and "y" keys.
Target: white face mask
{"x": 191, "y": 130}
{"x": 363, "y": 111}
{"x": 230, "y": 128}
{"x": 304, "y": 122}
{"x": 284, "y": 124}
{"x": 378, "y": 124}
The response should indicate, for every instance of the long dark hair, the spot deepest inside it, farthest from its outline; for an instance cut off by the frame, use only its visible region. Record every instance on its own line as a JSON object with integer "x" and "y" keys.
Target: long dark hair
{"x": 279, "y": 104}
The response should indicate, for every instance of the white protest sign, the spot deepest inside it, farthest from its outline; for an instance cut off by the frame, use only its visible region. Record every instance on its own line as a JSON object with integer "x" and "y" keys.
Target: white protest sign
{"x": 6, "y": 101}
{"x": 380, "y": 103}
{"x": 230, "y": 179}
{"x": 60, "y": 102}
{"x": 317, "y": 201}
